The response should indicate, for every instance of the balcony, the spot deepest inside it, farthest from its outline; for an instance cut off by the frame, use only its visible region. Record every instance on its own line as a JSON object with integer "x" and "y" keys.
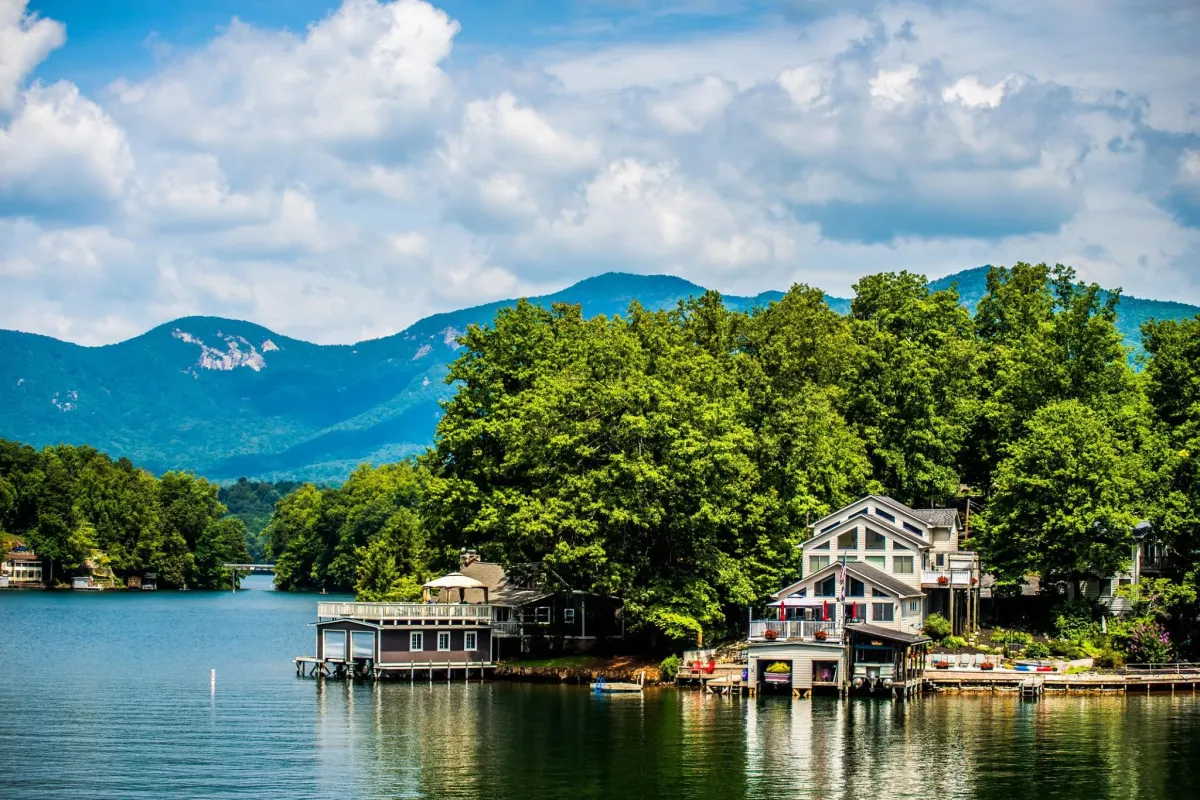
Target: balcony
{"x": 801, "y": 630}
{"x": 419, "y": 612}
{"x": 958, "y": 578}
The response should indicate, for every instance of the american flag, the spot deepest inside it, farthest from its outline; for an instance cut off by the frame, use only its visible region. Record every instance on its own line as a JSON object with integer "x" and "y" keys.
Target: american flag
{"x": 842, "y": 586}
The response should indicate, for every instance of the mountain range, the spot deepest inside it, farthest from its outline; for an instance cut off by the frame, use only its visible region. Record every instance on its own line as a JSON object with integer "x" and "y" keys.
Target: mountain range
{"x": 227, "y": 398}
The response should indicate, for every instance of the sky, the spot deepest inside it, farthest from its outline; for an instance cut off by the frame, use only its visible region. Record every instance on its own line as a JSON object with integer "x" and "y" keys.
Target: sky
{"x": 336, "y": 172}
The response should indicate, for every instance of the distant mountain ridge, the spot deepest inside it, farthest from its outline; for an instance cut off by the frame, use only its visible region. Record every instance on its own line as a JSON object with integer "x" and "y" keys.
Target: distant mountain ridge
{"x": 228, "y": 398}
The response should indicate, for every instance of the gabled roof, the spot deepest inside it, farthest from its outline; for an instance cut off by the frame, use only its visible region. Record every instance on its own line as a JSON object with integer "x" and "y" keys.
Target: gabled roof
{"x": 500, "y": 591}
{"x": 864, "y": 572}
{"x": 939, "y": 517}
{"x": 878, "y": 498}
{"x": 877, "y": 632}
{"x": 878, "y": 522}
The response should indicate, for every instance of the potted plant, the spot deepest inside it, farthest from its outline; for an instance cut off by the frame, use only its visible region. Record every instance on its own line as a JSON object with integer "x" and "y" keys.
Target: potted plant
{"x": 821, "y": 635}
{"x": 771, "y": 635}
{"x": 943, "y": 580}
{"x": 941, "y": 664}
{"x": 987, "y": 665}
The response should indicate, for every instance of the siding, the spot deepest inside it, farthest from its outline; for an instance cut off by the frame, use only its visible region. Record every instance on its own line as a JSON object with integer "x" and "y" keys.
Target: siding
{"x": 395, "y": 649}
{"x": 802, "y": 657}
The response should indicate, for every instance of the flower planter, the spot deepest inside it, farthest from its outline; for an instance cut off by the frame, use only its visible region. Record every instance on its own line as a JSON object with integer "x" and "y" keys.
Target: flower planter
{"x": 771, "y": 635}
{"x": 821, "y": 636}
{"x": 987, "y": 666}
{"x": 941, "y": 664}
{"x": 943, "y": 580}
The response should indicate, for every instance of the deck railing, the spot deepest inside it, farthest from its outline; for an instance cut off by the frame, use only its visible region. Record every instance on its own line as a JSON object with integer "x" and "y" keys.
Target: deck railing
{"x": 509, "y": 628}
{"x": 424, "y": 611}
{"x": 959, "y": 578}
{"x": 802, "y": 629}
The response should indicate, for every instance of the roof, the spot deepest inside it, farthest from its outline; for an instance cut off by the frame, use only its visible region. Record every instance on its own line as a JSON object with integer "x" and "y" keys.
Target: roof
{"x": 939, "y": 517}
{"x": 853, "y": 522}
{"x": 500, "y": 591}
{"x": 886, "y": 633}
{"x": 23, "y": 555}
{"x": 455, "y": 580}
{"x": 866, "y": 572}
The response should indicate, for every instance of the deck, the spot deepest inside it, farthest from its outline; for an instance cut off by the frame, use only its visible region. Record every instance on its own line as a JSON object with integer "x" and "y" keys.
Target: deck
{"x": 311, "y": 667}
{"x": 1086, "y": 682}
{"x": 394, "y": 612}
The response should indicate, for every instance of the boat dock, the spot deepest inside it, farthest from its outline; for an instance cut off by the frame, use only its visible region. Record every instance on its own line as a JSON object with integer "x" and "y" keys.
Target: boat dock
{"x": 1051, "y": 682}
{"x": 310, "y": 667}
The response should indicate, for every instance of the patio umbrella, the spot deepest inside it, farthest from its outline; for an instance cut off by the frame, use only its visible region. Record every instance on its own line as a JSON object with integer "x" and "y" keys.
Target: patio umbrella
{"x": 782, "y": 612}
{"x": 825, "y": 611}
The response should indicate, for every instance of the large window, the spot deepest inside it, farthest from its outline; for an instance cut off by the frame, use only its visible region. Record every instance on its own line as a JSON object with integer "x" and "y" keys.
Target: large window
{"x": 902, "y": 565}
{"x": 443, "y": 641}
{"x": 416, "y": 641}
{"x": 362, "y": 643}
{"x": 856, "y": 612}
{"x": 876, "y": 540}
{"x": 335, "y": 644}
{"x": 827, "y": 587}
{"x": 881, "y": 612}
{"x": 857, "y": 588}
{"x": 848, "y": 540}
{"x": 470, "y": 641}
{"x": 817, "y": 563}
{"x": 879, "y": 562}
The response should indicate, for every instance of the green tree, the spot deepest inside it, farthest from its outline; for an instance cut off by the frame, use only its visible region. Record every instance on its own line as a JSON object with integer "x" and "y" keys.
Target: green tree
{"x": 223, "y": 541}
{"x": 1064, "y": 500}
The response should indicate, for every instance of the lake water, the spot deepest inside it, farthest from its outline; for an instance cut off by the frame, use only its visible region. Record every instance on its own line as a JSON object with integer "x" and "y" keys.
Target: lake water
{"x": 108, "y": 695}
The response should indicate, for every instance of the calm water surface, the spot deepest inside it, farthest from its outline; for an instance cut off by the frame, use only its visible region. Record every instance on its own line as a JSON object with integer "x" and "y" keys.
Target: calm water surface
{"x": 108, "y": 696}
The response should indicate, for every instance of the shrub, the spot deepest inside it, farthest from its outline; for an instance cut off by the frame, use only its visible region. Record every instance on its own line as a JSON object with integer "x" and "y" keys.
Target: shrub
{"x": 954, "y": 642}
{"x": 1149, "y": 642}
{"x": 999, "y": 636}
{"x": 669, "y": 667}
{"x": 1075, "y": 619}
{"x": 937, "y": 627}
{"x": 1060, "y": 648}
{"x": 1108, "y": 658}
{"x": 1020, "y": 638}
{"x": 1037, "y": 650}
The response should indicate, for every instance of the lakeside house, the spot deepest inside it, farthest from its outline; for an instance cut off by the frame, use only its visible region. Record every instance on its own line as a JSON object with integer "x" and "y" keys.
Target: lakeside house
{"x": 468, "y": 619}
{"x": 21, "y": 567}
{"x": 872, "y": 572}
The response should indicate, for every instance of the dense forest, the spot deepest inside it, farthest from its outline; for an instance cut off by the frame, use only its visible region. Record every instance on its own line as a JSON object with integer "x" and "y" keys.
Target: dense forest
{"x": 253, "y": 502}
{"x": 674, "y": 457}
{"x": 82, "y": 511}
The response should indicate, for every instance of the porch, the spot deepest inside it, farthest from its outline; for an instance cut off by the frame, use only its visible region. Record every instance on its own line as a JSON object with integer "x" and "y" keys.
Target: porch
{"x": 397, "y": 613}
{"x": 802, "y": 630}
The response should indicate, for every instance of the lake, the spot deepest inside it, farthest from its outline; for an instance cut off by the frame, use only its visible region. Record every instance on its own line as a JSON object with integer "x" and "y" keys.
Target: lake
{"x": 108, "y": 695}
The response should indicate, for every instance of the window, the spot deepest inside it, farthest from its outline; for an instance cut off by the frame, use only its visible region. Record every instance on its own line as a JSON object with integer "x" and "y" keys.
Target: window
{"x": 500, "y": 613}
{"x": 416, "y": 641}
{"x": 879, "y": 512}
{"x": 541, "y": 615}
{"x": 569, "y": 616}
{"x": 941, "y": 534}
{"x": 876, "y": 540}
{"x": 913, "y": 529}
{"x": 914, "y": 606}
{"x": 470, "y": 640}
{"x": 877, "y": 561}
{"x": 860, "y": 513}
{"x": 902, "y": 565}
{"x": 828, "y": 528}
{"x": 1106, "y": 587}
{"x": 881, "y": 612}
{"x": 856, "y": 612}
{"x": 897, "y": 546}
{"x": 362, "y": 644}
{"x": 335, "y": 644}
{"x": 822, "y": 546}
{"x": 827, "y": 587}
{"x": 857, "y": 588}
{"x": 879, "y": 593}
{"x": 848, "y": 540}
{"x": 817, "y": 563}
{"x": 443, "y": 641}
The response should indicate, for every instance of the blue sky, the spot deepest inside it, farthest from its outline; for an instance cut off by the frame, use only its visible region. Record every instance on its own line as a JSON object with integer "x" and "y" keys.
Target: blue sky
{"x": 336, "y": 171}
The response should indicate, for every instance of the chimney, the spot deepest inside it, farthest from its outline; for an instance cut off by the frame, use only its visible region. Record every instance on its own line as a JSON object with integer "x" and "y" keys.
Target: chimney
{"x": 466, "y": 558}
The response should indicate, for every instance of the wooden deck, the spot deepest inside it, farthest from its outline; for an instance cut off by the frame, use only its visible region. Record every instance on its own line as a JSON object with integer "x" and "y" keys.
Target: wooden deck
{"x": 308, "y": 666}
{"x": 1010, "y": 680}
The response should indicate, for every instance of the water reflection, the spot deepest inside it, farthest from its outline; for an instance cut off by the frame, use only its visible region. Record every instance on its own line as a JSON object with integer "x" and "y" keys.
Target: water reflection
{"x": 117, "y": 703}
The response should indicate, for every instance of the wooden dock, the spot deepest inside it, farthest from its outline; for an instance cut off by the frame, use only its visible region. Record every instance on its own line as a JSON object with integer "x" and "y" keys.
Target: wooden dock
{"x": 1034, "y": 684}
{"x": 308, "y": 666}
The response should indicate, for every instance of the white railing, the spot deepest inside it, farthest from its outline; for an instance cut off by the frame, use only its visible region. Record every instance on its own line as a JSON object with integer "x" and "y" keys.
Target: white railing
{"x": 506, "y": 628}
{"x": 802, "y": 629}
{"x": 447, "y": 611}
{"x": 959, "y": 578}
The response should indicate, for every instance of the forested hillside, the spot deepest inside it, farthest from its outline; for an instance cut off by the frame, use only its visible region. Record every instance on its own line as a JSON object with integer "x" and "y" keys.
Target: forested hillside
{"x": 226, "y": 398}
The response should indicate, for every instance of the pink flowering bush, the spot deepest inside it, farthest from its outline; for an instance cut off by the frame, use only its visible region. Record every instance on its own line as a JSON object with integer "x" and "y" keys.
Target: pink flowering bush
{"x": 1149, "y": 642}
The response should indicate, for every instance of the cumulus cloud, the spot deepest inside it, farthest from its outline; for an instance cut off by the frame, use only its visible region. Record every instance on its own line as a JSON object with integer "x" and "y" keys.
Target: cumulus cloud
{"x": 25, "y": 41}
{"x": 341, "y": 181}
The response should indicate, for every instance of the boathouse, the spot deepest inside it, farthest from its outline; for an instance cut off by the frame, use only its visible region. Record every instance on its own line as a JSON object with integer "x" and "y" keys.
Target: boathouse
{"x": 467, "y": 620}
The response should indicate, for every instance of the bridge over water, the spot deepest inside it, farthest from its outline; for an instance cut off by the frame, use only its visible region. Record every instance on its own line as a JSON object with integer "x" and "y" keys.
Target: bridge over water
{"x": 250, "y": 569}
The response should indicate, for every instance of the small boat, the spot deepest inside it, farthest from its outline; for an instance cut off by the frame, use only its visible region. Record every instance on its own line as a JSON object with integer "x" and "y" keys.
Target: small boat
{"x": 602, "y": 686}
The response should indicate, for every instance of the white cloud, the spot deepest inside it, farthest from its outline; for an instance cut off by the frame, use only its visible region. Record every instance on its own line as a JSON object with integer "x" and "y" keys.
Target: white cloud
{"x": 342, "y": 181}
{"x": 25, "y": 41}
